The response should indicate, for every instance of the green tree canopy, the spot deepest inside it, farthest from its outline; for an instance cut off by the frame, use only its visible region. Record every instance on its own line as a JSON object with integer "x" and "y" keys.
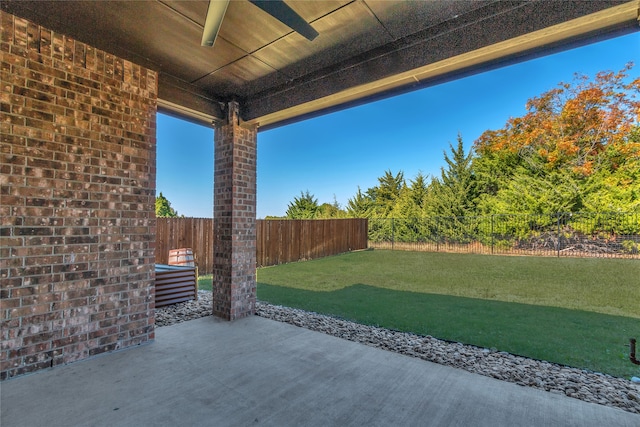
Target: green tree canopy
{"x": 163, "y": 208}
{"x": 576, "y": 148}
{"x": 386, "y": 193}
{"x": 419, "y": 189}
{"x": 360, "y": 205}
{"x": 454, "y": 194}
{"x": 303, "y": 207}
{"x": 331, "y": 210}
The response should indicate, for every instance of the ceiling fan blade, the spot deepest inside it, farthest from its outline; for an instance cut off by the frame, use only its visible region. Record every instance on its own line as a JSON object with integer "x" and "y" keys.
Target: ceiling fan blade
{"x": 213, "y": 22}
{"x": 283, "y": 13}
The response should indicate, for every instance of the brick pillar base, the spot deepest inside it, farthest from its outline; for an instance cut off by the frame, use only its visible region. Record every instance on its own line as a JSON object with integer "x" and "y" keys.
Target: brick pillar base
{"x": 234, "y": 270}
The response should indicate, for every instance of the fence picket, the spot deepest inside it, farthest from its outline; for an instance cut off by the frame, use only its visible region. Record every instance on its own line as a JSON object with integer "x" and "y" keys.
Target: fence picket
{"x": 277, "y": 241}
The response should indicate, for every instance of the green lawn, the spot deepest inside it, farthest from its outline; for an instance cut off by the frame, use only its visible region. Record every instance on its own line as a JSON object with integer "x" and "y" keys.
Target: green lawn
{"x": 205, "y": 282}
{"x": 577, "y": 312}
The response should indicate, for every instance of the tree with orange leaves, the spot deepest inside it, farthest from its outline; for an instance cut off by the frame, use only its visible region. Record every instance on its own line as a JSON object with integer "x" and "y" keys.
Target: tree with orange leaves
{"x": 575, "y": 143}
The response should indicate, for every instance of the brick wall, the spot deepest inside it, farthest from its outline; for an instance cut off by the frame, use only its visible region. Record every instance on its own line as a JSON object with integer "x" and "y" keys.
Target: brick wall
{"x": 77, "y": 192}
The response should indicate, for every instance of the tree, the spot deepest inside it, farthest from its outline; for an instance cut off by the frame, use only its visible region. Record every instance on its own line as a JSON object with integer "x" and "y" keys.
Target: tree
{"x": 617, "y": 188}
{"x": 452, "y": 197}
{"x": 164, "y": 209}
{"x": 303, "y": 207}
{"x": 331, "y": 210}
{"x": 419, "y": 190}
{"x": 360, "y": 205}
{"x": 406, "y": 215}
{"x": 454, "y": 194}
{"x": 574, "y": 142}
{"x": 549, "y": 193}
{"x": 385, "y": 194}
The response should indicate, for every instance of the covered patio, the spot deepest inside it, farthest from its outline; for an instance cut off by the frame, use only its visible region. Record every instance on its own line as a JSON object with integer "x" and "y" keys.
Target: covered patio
{"x": 81, "y": 85}
{"x": 256, "y": 371}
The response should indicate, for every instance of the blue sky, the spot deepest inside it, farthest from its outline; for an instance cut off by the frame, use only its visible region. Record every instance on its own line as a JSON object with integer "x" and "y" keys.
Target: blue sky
{"x": 330, "y": 156}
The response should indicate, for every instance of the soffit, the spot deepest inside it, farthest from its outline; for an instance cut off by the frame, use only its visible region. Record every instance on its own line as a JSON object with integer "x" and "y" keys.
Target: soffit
{"x": 366, "y": 48}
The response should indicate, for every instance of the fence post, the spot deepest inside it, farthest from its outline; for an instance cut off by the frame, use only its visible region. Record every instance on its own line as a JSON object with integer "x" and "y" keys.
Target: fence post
{"x": 393, "y": 233}
{"x": 437, "y": 234}
{"x": 492, "y": 237}
{"x": 558, "y": 235}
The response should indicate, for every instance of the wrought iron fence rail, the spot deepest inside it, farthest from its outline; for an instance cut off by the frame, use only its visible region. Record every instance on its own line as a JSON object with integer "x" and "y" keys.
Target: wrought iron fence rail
{"x": 608, "y": 234}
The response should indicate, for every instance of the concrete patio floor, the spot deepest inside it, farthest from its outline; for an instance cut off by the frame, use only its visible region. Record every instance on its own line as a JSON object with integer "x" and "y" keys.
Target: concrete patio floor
{"x": 255, "y": 371}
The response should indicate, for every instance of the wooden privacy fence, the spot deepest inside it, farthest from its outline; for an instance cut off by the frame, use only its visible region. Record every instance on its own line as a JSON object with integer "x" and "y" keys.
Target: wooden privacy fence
{"x": 282, "y": 241}
{"x": 194, "y": 233}
{"x": 278, "y": 241}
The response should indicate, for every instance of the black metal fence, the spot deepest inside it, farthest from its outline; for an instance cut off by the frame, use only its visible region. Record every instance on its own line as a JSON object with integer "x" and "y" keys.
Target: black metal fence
{"x": 560, "y": 234}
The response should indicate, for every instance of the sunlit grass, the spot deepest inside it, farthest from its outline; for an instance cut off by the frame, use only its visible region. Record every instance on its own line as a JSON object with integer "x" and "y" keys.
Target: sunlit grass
{"x": 576, "y": 312}
{"x": 609, "y": 286}
{"x": 205, "y": 282}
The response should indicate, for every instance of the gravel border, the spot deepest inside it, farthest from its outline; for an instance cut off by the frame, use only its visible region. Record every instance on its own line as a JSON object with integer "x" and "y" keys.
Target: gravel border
{"x": 588, "y": 386}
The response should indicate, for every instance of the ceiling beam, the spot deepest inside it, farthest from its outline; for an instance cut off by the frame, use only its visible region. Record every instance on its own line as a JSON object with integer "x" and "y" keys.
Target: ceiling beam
{"x": 182, "y": 99}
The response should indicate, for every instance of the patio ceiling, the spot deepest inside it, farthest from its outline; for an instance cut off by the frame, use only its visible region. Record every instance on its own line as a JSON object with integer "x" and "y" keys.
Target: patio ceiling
{"x": 366, "y": 48}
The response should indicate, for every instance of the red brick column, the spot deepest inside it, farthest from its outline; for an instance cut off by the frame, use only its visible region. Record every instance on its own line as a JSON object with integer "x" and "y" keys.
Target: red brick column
{"x": 234, "y": 269}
